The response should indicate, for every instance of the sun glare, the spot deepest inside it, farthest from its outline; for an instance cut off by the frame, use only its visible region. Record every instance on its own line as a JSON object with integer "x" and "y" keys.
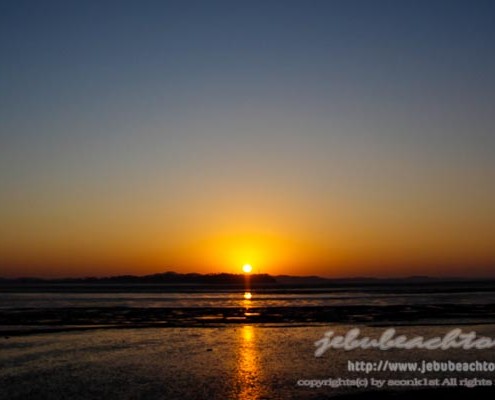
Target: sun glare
{"x": 246, "y": 268}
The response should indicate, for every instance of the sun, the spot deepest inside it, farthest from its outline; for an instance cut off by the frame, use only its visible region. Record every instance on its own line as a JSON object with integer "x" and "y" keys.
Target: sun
{"x": 246, "y": 268}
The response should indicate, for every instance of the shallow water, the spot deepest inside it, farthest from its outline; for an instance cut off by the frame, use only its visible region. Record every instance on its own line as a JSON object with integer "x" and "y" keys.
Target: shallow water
{"x": 259, "y": 298}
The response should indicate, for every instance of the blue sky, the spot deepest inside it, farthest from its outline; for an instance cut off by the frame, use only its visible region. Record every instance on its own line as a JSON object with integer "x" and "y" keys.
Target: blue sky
{"x": 345, "y": 124}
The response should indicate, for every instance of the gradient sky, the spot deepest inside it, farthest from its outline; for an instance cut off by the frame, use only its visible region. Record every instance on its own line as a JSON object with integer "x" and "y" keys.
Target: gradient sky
{"x": 338, "y": 138}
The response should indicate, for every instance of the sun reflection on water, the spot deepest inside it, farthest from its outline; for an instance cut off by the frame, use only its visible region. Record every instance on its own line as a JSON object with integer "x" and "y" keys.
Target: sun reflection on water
{"x": 248, "y": 369}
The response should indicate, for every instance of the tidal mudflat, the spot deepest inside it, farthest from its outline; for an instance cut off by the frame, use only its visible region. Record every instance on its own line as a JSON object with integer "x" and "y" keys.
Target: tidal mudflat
{"x": 238, "y": 361}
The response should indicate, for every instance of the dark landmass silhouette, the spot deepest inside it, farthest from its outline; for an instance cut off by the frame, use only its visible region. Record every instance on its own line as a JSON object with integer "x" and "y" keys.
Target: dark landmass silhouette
{"x": 169, "y": 277}
{"x": 260, "y": 280}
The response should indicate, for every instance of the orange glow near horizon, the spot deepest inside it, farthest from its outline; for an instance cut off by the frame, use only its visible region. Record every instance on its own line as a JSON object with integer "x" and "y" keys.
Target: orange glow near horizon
{"x": 381, "y": 257}
{"x": 352, "y": 247}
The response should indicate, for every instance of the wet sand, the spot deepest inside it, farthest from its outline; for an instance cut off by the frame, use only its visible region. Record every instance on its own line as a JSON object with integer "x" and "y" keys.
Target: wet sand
{"x": 35, "y": 320}
{"x": 236, "y": 361}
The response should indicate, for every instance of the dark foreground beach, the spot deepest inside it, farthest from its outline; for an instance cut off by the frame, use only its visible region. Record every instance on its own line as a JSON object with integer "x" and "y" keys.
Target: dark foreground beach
{"x": 234, "y": 361}
{"x": 92, "y": 342}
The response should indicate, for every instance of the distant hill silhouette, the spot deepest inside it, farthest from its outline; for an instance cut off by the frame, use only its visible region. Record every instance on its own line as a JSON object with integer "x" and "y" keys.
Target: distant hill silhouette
{"x": 194, "y": 282}
{"x": 161, "y": 278}
{"x": 174, "y": 278}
